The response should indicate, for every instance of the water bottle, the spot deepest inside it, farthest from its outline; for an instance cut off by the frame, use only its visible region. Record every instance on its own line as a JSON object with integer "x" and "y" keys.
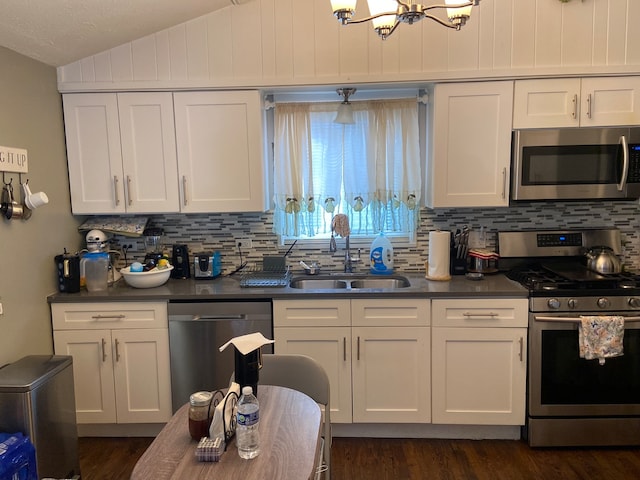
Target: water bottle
{"x": 248, "y": 417}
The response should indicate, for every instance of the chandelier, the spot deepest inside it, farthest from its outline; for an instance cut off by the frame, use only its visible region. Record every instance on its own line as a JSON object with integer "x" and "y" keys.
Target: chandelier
{"x": 386, "y": 15}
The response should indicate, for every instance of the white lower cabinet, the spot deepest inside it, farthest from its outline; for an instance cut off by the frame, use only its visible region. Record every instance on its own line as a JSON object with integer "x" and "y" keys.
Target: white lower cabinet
{"x": 479, "y": 361}
{"x": 120, "y": 360}
{"x": 375, "y": 351}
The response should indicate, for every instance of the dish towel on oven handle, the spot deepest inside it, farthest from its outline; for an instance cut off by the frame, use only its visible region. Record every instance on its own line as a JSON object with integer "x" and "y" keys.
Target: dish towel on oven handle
{"x": 600, "y": 336}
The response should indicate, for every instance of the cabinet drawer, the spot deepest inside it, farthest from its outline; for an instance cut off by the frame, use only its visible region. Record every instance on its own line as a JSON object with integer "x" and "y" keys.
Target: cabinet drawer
{"x": 311, "y": 313}
{"x": 481, "y": 312}
{"x": 397, "y": 312}
{"x": 75, "y": 316}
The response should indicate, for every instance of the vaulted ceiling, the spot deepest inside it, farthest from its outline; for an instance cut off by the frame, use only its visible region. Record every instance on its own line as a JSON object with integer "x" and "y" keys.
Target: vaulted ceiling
{"x": 59, "y": 32}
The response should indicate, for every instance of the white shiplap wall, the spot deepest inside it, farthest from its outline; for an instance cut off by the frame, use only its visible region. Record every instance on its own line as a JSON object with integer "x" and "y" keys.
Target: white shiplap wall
{"x": 271, "y": 43}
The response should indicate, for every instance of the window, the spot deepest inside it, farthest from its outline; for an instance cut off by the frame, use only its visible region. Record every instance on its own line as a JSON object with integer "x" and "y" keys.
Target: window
{"x": 369, "y": 170}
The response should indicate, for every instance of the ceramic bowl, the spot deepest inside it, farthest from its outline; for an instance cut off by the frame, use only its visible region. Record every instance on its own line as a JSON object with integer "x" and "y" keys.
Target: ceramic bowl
{"x": 150, "y": 279}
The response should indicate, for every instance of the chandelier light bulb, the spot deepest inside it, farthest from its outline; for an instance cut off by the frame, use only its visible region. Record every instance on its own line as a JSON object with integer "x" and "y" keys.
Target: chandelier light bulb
{"x": 344, "y": 9}
{"x": 458, "y": 15}
{"x": 385, "y": 23}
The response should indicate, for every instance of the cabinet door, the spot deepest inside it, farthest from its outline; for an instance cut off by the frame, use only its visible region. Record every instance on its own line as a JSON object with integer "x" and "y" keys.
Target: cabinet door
{"x": 92, "y": 373}
{"x": 142, "y": 375}
{"x": 391, "y": 374}
{"x": 470, "y": 156}
{"x": 219, "y": 138}
{"x": 148, "y": 152}
{"x": 93, "y": 152}
{"x": 331, "y": 347}
{"x": 610, "y": 101}
{"x": 546, "y": 103}
{"x": 479, "y": 375}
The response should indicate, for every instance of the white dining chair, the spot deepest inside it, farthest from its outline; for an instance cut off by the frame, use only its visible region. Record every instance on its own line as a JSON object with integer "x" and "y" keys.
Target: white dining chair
{"x": 302, "y": 373}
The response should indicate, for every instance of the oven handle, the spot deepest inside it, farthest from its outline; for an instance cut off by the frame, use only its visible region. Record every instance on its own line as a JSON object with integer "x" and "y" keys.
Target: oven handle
{"x": 576, "y": 319}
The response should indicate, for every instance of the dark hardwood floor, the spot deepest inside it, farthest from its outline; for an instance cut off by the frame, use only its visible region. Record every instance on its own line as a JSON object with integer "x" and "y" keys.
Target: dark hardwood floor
{"x": 400, "y": 459}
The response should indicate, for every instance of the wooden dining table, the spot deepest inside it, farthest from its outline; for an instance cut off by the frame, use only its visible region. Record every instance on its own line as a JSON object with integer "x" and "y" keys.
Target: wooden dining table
{"x": 290, "y": 443}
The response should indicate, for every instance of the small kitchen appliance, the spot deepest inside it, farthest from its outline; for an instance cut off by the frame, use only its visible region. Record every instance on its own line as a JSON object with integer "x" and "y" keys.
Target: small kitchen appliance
{"x": 576, "y": 164}
{"x": 206, "y": 265}
{"x": 68, "y": 268}
{"x": 153, "y": 244}
{"x": 97, "y": 255}
{"x": 180, "y": 262}
{"x": 572, "y": 401}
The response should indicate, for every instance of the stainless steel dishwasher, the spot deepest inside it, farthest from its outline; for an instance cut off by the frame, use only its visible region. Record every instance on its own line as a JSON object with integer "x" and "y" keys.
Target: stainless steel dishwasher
{"x": 197, "y": 330}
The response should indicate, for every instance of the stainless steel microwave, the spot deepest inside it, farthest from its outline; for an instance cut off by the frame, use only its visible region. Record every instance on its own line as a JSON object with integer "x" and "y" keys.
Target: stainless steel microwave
{"x": 576, "y": 164}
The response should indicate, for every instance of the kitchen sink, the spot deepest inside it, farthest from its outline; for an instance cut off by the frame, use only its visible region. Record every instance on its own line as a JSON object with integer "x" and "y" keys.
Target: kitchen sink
{"x": 350, "y": 282}
{"x": 323, "y": 283}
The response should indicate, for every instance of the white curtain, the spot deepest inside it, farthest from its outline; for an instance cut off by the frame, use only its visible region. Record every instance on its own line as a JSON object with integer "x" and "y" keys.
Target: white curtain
{"x": 369, "y": 170}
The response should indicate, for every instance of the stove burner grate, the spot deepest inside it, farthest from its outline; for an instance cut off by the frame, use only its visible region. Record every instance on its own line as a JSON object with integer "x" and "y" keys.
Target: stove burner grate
{"x": 538, "y": 278}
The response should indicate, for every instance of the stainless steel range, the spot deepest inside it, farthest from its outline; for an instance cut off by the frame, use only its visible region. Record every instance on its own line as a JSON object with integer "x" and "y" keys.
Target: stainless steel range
{"x": 572, "y": 401}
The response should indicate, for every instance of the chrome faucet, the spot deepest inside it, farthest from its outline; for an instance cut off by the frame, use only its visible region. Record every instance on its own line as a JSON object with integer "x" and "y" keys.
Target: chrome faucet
{"x": 348, "y": 259}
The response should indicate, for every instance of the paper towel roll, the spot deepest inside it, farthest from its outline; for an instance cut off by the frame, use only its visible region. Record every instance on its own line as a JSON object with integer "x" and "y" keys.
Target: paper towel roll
{"x": 439, "y": 255}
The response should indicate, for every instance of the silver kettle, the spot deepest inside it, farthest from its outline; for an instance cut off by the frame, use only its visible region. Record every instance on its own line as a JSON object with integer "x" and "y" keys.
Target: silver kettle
{"x": 602, "y": 260}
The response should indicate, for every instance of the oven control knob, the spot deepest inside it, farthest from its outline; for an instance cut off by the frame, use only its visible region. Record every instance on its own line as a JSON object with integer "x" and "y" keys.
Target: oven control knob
{"x": 572, "y": 303}
{"x": 634, "y": 302}
{"x": 553, "y": 303}
{"x": 603, "y": 302}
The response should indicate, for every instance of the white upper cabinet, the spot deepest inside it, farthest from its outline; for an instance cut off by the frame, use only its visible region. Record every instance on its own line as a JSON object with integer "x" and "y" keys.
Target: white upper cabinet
{"x": 469, "y": 156}
{"x": 121, "y": 153}
{"x": 574, "y": 102}
{"x": 92, "y": 130}
{"x": 219, "y": 137}
{"x": 148, "y": 152}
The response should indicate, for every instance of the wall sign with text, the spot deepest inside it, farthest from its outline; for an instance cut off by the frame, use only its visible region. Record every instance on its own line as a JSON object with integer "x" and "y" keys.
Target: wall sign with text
{"x": 13, "y": 160}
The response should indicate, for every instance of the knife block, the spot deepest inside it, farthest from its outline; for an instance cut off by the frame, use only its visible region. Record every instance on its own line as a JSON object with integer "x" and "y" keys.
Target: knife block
{"x": 457, "y": 266}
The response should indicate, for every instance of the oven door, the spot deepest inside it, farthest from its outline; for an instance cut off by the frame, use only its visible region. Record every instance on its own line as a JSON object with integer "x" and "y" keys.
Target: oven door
{"x": 563, "y": 384}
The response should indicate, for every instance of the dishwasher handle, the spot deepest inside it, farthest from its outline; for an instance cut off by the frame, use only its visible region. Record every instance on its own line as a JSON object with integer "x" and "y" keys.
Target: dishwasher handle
{"x": 240, "y": 316}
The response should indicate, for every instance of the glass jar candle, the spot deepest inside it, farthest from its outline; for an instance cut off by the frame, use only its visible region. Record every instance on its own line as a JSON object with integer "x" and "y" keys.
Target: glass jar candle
{"x": 200, "y": 414}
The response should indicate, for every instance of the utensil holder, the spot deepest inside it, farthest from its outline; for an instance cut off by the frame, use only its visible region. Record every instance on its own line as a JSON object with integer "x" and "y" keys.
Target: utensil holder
{"x": 457, "y": 266}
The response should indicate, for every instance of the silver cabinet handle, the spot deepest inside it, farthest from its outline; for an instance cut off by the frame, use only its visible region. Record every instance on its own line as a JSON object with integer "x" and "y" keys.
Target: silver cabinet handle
{"x": 589, "y": 105}
{"x": 184, "y": 190}
{"x": 358, "y": 357}
{"x": 117, "y": 350}
{"x": 481, "y": 314}
{"x": 504, "y": 182}
{"x": 574, "y": 114}
{"x": 104, "y": 350}
{"x": 115, "y": 189}
{"x": 128, "y": 192}
{"x": 521, "y": 349}
{"x": 102, "y": 317}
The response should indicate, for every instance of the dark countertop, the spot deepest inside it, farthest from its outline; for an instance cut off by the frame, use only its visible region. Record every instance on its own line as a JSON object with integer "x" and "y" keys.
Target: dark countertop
{"x": 228, "y": 288}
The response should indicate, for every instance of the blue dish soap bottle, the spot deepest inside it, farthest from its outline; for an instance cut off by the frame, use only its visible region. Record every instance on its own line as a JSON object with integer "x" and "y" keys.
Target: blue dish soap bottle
{"x": 381, "y": 256}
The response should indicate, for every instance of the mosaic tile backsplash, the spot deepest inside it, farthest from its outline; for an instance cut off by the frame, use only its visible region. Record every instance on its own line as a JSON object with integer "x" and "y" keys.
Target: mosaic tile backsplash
{"x": 211, "y": 232}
